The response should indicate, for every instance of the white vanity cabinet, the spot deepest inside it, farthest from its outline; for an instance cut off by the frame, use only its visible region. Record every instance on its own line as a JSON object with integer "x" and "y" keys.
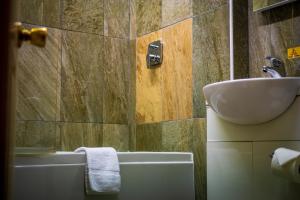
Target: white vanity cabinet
{"x": 239, "y": 157}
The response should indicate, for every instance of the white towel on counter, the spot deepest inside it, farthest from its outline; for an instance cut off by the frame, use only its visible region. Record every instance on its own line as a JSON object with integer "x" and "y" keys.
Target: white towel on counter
{"x": 102, "y": 170}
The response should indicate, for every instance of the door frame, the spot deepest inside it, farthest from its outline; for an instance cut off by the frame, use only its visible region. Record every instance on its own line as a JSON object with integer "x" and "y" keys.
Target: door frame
{"x": 6, "y": 99}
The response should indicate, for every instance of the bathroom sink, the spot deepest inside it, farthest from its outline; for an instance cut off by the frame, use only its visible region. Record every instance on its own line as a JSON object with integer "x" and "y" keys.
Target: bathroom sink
{"x": 252, "y": 101}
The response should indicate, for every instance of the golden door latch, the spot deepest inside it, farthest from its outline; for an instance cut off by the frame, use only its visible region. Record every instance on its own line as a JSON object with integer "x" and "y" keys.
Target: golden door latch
{"x": 36, "y": 36}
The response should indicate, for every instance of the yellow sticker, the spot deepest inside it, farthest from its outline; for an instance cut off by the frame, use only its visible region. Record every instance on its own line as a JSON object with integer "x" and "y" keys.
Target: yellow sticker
{"x": 293, "y": 52}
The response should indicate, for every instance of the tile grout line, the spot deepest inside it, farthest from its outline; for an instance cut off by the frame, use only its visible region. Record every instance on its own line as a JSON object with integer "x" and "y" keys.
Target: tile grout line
{"x": 69, "y": 122}
{"x": 76, "y": 31}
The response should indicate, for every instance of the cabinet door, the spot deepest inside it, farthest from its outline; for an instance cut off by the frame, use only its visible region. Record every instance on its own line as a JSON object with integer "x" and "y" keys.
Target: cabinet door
{"x": 229, "y": 170}
{"x": 267, "y": 185}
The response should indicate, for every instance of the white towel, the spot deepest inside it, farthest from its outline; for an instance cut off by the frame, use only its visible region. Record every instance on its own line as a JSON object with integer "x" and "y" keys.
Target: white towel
{"x": 102, "y": 170}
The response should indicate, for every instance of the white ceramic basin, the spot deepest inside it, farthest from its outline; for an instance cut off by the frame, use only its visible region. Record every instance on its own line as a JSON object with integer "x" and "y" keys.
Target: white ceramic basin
{"x": 252, "y": 101}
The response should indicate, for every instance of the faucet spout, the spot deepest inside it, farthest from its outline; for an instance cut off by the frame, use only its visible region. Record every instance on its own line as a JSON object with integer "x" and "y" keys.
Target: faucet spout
{"x": 270, "y": 72}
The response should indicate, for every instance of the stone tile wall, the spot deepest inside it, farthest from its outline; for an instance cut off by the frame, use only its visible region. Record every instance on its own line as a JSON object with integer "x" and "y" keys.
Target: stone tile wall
{"x": 170, "y": 106}
{"x": 165, "y": 93}
{"x": 75, "y": 92}
{"x": 270, "y": 34}
{"x": 90, "y": 85}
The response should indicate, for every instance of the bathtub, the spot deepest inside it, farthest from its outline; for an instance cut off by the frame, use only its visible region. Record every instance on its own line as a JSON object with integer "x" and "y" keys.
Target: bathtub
{"x": 144, "y": 176}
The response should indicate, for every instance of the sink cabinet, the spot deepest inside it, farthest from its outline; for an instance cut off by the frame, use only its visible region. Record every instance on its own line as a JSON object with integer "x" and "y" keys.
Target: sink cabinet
{"x": 238, "y": 157}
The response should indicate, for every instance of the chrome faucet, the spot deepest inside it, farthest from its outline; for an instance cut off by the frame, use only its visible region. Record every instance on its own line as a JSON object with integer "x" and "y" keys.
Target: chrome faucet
{"x": 271, "y": 71}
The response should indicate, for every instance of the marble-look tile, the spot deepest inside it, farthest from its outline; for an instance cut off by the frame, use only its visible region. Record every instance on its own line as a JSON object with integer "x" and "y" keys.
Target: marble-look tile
{"x": 296, "y": 23}
{"x": 296, "y": 35}
{"x": 210, "y": 54}
{"x": 17, "y": 10}
{"x": 31, "y": 11}
{"x": 116, "y": 136}
{"x": 38, "y": 70}
{"x": 74, "y": 135}
{"x": 132, "y": 10}
{"x": 132, "y": 97}
{"x": 259, "y": 40}
{"x": 35, "y": 134}
{"x": 148, "y": 83}
{"x": 132, "y": 83}
{"x": 175, "y": 10}
{"x": 82, "y": 77}
{"x": 203, "y": 6}
{"x": 240, "y": 39}
{"x": 93, "y": 135}
{"x": 281, "y": 22}
{"x": 71, "y": 135}
{"x": 148, "y": 15}
{"x": 116, "y": 18}
{"x": 149, "y": 137}
{"x": 183, "y": 135}
{"x": 52, "y": 13}
{"x": 171, "y": 136}
{"x": 58, "y": 138}
{"x": 199, "y": 151}
{"x": 58, "y": 88}
{"x": 116, "y": 80}
{"x": 177, "y": 68}
{"x": 84, "y": 16}
{"x": 177, "y": 135}
{"x": 132, "y": 137}
{"x": 277, "y": 31}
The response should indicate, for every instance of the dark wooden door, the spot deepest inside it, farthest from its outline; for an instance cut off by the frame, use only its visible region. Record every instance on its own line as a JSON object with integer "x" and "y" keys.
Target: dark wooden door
{"x": 7, "y": 100}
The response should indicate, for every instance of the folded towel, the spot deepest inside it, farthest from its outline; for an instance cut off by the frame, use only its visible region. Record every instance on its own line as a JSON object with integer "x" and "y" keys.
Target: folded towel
{"x": 102, "y": 170}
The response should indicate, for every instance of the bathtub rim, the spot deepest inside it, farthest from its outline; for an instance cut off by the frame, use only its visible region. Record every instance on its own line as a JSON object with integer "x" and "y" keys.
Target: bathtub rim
{"x": 67, "y": 157}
